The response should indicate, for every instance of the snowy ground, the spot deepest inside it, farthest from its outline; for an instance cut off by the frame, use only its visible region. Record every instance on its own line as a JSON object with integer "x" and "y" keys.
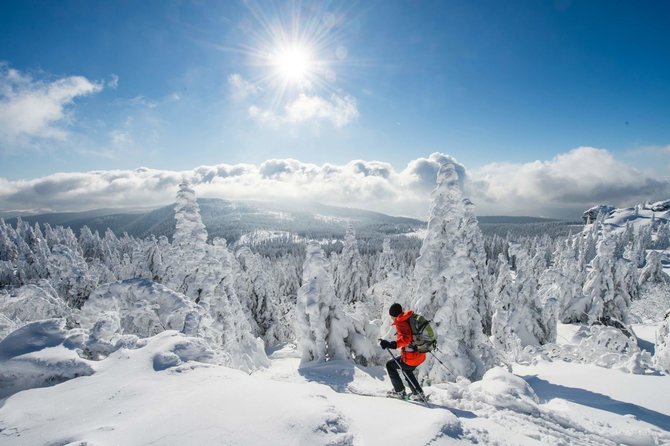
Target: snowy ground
{"x": 137, "y": 397}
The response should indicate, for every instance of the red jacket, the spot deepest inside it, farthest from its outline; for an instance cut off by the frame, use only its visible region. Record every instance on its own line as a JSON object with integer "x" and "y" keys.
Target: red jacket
{"x": 404, "y": 337}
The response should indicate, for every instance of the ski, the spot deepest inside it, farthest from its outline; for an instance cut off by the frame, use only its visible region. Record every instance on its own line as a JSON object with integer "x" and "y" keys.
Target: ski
{"x": 353, "y": 391}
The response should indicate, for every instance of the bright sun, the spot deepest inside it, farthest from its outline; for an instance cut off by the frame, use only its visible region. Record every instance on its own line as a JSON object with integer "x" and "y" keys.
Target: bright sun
{"x": 294, "y": 64}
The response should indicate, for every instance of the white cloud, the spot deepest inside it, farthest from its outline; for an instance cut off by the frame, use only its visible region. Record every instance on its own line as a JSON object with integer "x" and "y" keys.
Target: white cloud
{"x": 143, "y": 102}
{"x": 240, "y": 88}
{"x": 563, "y": 186}
{"x": 32, "y": 108}
{"x": 566, "y": 184}
{"x": 120, "y": 137}
{"x": 654, "y": 150}
{"x": 113, "y": 82}
{"x": 338, "y": 110}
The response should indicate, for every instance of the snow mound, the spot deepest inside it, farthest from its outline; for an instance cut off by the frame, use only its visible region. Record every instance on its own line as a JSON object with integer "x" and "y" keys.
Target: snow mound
{"x": 33, "y": 337}
{"x": 142, "y": 307}
{"x": 188, "y": 349}
{"x": 504, "y": 390}
{"x": 162, "y": 394}
{"x": 39, "y": 354}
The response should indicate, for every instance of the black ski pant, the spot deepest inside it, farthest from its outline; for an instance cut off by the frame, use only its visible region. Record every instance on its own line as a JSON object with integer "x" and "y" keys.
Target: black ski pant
{"x": 393, "y": 366}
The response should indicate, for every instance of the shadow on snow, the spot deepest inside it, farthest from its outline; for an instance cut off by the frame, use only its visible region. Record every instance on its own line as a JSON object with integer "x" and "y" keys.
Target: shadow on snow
{"x": 337, "y": 374}
{"x": 546, "y": 391}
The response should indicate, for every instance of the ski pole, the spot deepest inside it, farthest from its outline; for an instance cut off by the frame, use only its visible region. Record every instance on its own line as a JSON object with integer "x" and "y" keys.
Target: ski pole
{"x": 409, "y": 382}
{"x": 443, "y": 364}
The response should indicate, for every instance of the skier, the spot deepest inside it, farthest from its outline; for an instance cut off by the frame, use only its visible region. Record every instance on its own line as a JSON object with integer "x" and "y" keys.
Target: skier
{"x": 409, "y": 359}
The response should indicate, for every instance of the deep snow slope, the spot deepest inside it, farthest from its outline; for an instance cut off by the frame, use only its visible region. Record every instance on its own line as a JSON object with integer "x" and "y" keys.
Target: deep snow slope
{"x": 149, "y": 396}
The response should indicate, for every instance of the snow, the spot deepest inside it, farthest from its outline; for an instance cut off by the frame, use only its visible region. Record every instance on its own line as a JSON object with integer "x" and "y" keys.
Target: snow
{"x": 638, "y": 216}
{"x": 419, "y": 233}
{"x": 165, "y": 392}
{"x": 623, "y": 408}
{"x": 264, "y": 236}
{"x": 331, "y": 219}
{"x": 39, "y": 354}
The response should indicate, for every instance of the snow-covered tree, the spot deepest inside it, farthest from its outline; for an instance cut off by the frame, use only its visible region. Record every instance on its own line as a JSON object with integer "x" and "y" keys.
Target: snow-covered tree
{"x": 653, "y": 270}
{"x": 90, "y": 244}
{"x": 70, "y": 276}
{"x": 505, "y": 295}
{"x": 446, "y": 285}
{"x": 140, "y": 307}
{"x": 662, "y": 350}
{"x": 607, "y": 286}
{"x": 320, "y": 325}
{"x": 9, "y": 255}
{"x": 262, "y": 296}
{"x": 388, "y": 285}
{"x": 33, "y": 302}
{"x": 522, "y": 317}
{"x": 482, "y": 282}
{"x": 188, "y": 245}
{"x": 587, "y": 249}
{"x": 564, "y": 281}
{"x": 229, "y": 330}
{"x": 110, "y": 252}
{"x": 350, "y": 285}
{"x": 8, "y": 249}
{"x": 641, "y": 243}
{"x": 663, "y": 236}
{"x": 205, "y": 273}
{"x": 386, "y": 264}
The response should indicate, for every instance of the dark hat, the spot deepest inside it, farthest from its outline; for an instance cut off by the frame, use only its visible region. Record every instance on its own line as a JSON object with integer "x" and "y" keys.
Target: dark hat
{"x": 395, "y": 310}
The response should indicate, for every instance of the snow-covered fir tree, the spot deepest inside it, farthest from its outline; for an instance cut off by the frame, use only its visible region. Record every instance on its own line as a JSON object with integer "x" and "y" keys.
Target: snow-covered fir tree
{"x": 349, "y": 281}
{"x": 188, "y": 244}
{"x": 386, "y": 264}
{"x": 446, "y": 290}
{"x": 69, "y": 275}
{"x": 662, "y": 350}
{"x": 522, "y": 315}
{"x": 564, "y": 281}
{"x": 482, "y": 281}
{"x": 262, "y": 294}
{"x": 320, "y": 325}
{"x": 606, "y": 287}
{"x": 662, "y": 240}
{"x": 505, "y": 295}
{"x": 230, "y": 329}
{"x": 205, "y": 274}
{"x": 653, "y": 270}
{"x": 642, "y": 242}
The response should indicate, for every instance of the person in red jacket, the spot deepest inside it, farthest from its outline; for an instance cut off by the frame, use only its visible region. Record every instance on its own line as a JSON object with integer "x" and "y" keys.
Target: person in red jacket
{"x": 409, "y": 359}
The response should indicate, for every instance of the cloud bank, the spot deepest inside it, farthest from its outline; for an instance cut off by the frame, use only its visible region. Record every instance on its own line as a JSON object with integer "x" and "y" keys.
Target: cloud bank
{"x": 561, "y": 187}
{"x": 566, "y": 184}
{"x": 31, "y": 108}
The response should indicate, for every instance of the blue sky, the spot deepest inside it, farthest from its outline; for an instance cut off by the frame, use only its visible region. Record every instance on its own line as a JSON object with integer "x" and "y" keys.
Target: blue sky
{"x": 175, "y": 85}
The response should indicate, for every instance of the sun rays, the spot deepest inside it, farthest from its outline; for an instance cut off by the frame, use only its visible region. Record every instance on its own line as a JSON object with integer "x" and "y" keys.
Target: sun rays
{"x": 293, "y": 53}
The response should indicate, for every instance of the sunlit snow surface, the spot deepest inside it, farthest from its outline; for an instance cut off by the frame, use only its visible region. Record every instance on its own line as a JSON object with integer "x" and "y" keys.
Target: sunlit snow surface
{"x": 159, "y": 393}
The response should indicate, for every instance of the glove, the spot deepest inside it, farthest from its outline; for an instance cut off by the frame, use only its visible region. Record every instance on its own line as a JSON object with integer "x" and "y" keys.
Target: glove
{"x": 386, "y": 344}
